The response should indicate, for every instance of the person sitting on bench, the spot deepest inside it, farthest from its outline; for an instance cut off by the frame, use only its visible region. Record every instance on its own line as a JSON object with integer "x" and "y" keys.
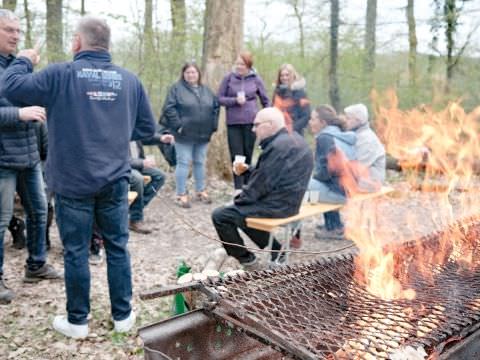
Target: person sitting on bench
{"x": 337, "y": 174}
{"x": 275, "y": 188}
{"x": 370, "y": 151}
{"x": 142, "y": 166}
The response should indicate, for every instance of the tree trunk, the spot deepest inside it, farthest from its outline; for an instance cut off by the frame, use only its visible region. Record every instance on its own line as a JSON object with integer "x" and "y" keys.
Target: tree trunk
{"x": 10, "y": 5}
{"x": 370, "y": 42}
{"x": 451, "y": 17}
{"x": 82, "y": 8}
{"x": 222, "y": 41}
{"x": 334, "y": 92}
{"x": 28, "y": 21}
{"x": 301, "y": 27}
{"x": 54, "y": 31}
{"x": 412, "y": 42}
{"x": 179, "y": 20}
{"x": 148, "y": 46}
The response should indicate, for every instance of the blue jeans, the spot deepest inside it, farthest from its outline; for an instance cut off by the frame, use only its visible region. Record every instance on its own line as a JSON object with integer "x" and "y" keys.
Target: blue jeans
{"x": 146, "y": 192}
{"x": 325, "y": 194}
{"x": 30, "y": 187}
{"x": 186, "y": 153}
{"x": 75, "y": 217}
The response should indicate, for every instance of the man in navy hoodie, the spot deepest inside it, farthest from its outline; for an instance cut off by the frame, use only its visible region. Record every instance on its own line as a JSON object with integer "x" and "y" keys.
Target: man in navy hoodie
{"x": 94, "y": 109}
{"x": 20, "y": 168}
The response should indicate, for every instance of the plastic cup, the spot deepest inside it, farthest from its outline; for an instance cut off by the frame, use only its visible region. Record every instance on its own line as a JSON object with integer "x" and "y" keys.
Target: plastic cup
{"x": 241, "y": 95}
{"x": 240, "y": 159}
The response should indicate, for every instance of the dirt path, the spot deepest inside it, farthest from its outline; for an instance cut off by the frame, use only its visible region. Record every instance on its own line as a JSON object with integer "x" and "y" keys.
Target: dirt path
{"x": 26, "y": 323}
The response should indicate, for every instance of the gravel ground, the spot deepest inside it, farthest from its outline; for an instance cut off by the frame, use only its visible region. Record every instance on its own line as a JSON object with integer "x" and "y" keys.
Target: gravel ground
{"x": 25, "y": 324}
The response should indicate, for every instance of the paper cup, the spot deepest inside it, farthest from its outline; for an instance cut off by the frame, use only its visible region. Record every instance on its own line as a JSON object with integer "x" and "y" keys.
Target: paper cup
{"x": 239, "y": 159}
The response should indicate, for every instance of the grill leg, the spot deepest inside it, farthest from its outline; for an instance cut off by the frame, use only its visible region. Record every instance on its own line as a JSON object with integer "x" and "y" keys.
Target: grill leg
{"x": 288, "y": 235}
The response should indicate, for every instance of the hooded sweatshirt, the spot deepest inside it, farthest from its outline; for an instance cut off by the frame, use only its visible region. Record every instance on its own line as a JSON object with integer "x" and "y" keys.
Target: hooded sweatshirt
{"x": 332, "y": 141}
{"x": 252, "y": 85}
{"x": 94, "y": 108}
{"x": 293, "y": 102}
{"x": 370, "y": 151}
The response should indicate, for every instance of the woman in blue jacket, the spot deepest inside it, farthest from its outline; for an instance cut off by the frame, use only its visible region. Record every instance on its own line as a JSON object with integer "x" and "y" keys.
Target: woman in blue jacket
{"x": 190, "y": 112}
{"x": 333, "y": 176}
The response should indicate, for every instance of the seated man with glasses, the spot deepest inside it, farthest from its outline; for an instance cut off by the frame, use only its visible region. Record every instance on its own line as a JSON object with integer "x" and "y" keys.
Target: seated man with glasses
{"x": 275, "y": 188}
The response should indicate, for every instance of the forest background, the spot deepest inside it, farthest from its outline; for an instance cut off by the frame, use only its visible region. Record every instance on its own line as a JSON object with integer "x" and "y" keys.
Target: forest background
{"x": 425, "y": 50}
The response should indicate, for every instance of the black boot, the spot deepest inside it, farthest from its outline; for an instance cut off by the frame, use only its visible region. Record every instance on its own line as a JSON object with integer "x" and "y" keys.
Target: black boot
{"x": 17, "y": 229}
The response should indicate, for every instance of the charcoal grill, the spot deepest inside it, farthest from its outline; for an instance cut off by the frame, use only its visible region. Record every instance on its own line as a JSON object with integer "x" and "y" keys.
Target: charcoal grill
{"x": 321, "y": 310}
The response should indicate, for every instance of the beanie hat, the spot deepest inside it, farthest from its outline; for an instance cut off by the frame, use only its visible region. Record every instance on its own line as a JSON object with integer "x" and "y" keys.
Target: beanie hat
{"x": 357, "y": 111}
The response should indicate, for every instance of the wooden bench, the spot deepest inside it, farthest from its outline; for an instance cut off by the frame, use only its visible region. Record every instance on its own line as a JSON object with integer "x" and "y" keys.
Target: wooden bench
{"x": 306, "y": 210}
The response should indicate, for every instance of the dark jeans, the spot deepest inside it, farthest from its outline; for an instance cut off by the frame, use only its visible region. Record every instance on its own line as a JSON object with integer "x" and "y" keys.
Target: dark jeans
{"x": 29, "y": 185}
{"x": 241, "y": 141}
{"x": 333, "y": 220}
{"x": 146, "y": 192}
{"x": 75, "y": 218}
{"x": 227, "y": 220}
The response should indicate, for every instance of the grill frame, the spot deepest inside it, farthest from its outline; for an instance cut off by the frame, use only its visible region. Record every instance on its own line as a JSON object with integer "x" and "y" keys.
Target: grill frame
{"x": 459, "y": 321}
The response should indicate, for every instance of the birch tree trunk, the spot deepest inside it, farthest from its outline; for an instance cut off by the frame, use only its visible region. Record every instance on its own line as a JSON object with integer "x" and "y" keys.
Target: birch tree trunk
{"x": 222, "y": 41}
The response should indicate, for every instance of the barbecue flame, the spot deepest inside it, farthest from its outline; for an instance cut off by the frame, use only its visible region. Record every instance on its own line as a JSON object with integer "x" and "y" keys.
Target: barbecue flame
{"x": 440, "y": 152}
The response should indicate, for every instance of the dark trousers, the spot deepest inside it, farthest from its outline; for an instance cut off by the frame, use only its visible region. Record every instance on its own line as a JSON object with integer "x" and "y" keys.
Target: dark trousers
{"x": 75, "y": 218}
{"x": 333, "y": 220}
{"x": 241, "y": 141}
{"x": 227, "y": 220}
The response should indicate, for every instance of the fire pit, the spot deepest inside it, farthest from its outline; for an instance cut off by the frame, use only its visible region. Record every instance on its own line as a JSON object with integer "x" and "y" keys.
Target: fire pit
{"x": 322, "y": 310}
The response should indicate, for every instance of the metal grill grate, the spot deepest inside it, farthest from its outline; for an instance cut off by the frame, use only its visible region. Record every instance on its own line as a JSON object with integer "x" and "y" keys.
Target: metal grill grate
{"x": 320, "y": 310}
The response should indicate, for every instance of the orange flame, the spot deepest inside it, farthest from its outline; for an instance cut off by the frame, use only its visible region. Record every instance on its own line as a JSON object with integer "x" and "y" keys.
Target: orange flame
{"x": 284, "y": 104}
{"x": 441, "y": 151}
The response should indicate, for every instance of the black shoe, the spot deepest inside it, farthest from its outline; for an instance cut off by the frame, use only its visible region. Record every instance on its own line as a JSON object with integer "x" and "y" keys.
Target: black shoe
{"x": 138, "y": 227}
{"x": 46, "y": 272}
{"x": 17, "y": 229}
{"x": 249, "y": 260}
{"x": 6, "y": 295}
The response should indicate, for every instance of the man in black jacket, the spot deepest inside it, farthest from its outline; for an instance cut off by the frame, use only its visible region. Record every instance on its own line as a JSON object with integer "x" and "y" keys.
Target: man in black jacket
{"x": 275, "y": 188}
{"x": 20, "y": 168}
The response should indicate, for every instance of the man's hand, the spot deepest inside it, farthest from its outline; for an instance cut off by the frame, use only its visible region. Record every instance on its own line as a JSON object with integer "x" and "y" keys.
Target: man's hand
{"x": 148, "y": 163}
{"x": 31, "y": 54}
{"x": 32, "y": 113}
{"x": 239, "y": 168}
{"x": 167, "y": 138}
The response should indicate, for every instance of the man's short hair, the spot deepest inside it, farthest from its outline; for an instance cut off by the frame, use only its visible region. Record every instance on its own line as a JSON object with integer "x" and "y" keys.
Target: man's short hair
{"x": 7, "y": 14}
{"x": 95, "y": 32}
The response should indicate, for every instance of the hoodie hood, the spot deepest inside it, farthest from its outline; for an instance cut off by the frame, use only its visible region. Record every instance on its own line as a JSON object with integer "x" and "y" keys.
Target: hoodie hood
{"x": 359, "y": 112}
{"x": 348, "y": 137}
{"x": 251, "y": 72}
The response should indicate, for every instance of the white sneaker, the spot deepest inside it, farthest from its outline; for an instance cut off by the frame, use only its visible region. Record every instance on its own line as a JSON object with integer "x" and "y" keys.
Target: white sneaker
{"x": 63, "y": 326}
{"x": 125, "y": 325}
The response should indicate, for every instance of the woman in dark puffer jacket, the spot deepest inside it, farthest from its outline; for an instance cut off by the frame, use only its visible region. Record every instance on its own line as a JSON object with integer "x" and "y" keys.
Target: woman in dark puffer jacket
{"x": 190, "y": 112}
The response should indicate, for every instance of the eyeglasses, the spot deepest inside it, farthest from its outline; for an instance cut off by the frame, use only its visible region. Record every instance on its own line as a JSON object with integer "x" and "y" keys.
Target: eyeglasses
{"x": 258, "y": 123}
